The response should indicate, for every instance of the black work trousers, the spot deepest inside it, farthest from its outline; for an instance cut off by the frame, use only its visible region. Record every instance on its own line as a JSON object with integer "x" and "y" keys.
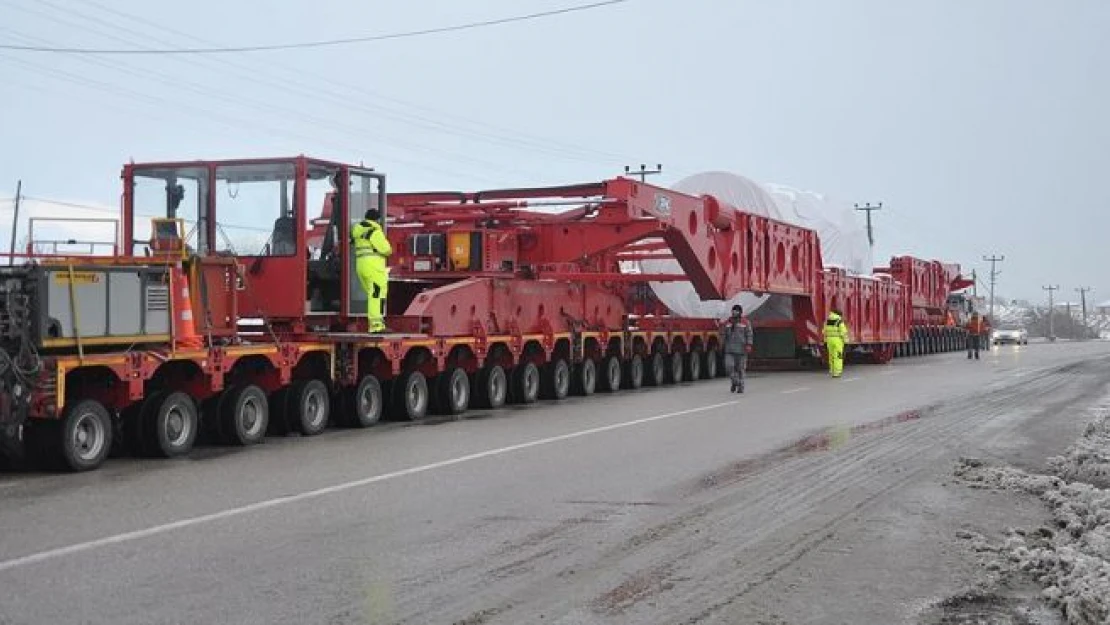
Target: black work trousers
{"x": 973, "y": 346}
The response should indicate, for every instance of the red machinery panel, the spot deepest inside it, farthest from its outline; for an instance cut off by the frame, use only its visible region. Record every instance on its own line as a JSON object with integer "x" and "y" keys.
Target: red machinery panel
{"x": 790, "y": 252}
{"x": 500, "y": 306}
{"x": 753, "y": 230}
{"x": 217, "y": 290}
{"x": 927, "y": 281}
{"x": 893, "y": 320}
{"x": 867, "y": 322}
{"x": 842, "y": 292}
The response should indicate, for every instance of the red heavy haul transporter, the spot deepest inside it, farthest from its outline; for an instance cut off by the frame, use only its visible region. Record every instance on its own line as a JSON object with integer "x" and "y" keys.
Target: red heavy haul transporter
{"x": 492, "y": 300}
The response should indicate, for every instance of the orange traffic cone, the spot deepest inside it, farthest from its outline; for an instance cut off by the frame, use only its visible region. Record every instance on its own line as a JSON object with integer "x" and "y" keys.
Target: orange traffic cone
{"x": 184, "y": 328}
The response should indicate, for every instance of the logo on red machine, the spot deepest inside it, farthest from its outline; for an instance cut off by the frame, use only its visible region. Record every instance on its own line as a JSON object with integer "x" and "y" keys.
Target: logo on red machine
{"x": 663, "y": 204}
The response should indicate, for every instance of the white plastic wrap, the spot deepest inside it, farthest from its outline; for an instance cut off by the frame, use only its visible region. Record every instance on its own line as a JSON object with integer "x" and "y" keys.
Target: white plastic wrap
{"x": 843, "y": 240}
{"x": 841, "y": 228}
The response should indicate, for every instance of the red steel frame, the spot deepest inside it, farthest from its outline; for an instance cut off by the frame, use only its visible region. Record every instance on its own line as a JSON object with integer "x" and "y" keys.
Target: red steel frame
{"x": 723, "y": 251}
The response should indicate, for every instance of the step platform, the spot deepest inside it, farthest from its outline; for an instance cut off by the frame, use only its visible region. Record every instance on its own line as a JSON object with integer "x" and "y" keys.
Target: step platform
{"x": 372, "y": 336}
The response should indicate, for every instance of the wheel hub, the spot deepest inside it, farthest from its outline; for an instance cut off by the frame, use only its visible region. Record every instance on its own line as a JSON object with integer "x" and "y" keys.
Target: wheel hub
{"x": 366, "y": 401}
{"x": 176, "y": 429}
{"x": 313, "y": 408}
{"x": 497, "y": 387}
{"x": 88, "y": 440}
{"x": 249, "y": 416}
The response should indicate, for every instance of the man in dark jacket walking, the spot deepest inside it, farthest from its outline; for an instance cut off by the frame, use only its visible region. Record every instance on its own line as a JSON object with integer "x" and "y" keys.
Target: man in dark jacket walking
{"x": 736, "y": 338}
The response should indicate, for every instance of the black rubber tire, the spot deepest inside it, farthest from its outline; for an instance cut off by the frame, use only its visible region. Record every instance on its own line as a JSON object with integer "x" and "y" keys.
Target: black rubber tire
{"x": 655, "y": 369}
{"x": 634, "y": 372}
{"x": 410, "y": 396}
{"x": 142, "y": 440}
{"x": 693, "y": 366}
{"x": 209, "y": 413}
{"x": 131, "y": 428}
{"x": 711, "y": 364}
{"x": 280, "y": 412}
{"x": 555, "y": 383}
{"x": 609, "y": 380}
{"x": 171, "y": 425}
{"x": 310, "y": 406}
{"x": 362, "y": 405}
{"x": 83, "y": 439}
{"x": 675, "y": 370}
{"x": 491, "y": 387}
{"x": 585, "y": 378}
{"x": 244, "y": 415}
{"x": 452, "y": 392}
{"x": 119, "y": 440}
{"x": 526, "y": 384}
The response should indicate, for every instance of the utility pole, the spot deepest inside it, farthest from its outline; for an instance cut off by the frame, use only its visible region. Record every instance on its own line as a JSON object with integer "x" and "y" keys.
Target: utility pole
{"x": 868, "y": 208}
{"x": 993, "y": 260}
{"x": 15, "y": 220}
{"x": 1083, "y": 304}
{"x": 644, "y": 171}
{"x": 1051, "y": 312}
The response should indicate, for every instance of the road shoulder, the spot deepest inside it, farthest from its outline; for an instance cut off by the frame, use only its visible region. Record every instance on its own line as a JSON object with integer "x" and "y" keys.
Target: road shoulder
{"x": 946, "y": 547}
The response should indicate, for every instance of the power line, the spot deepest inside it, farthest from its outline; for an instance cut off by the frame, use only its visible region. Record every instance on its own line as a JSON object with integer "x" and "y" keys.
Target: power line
{"x": 232, "y": 122}
{"x": 506, "y": 135}
{"x": 328, "y": 92}
{"x": 92, "y": 207}
{"x": 316, "y": 44}
{"x": 332, "y": 122}
{"x": 324, "y": 91}
{"x": 255, "y": 104}
{"x": 114, "y": 211}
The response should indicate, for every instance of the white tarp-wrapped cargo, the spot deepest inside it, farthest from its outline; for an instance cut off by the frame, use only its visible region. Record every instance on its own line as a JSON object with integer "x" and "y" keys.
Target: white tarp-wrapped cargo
{"x": 843, "y": 240}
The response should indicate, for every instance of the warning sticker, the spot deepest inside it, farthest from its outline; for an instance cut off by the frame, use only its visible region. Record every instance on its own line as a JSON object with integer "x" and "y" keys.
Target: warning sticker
{"x": 79, "y": 277}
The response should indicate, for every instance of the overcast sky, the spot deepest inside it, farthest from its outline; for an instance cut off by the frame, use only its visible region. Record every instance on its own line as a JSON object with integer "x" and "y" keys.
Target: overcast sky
{"x": 980, "y": 124}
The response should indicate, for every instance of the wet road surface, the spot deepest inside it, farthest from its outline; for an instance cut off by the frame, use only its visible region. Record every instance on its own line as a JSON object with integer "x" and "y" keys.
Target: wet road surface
{"x": 656, "y": 506}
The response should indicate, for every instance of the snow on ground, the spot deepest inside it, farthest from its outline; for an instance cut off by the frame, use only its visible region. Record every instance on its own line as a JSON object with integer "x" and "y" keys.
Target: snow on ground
{"x": 1070, "y": 558}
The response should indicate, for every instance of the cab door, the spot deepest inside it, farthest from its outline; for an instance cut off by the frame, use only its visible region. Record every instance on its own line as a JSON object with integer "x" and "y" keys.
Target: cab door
{"x": 365, "y": 189}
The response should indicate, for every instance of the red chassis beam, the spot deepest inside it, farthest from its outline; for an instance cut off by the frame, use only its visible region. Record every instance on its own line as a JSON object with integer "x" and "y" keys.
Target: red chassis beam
{"x": 722, "y": 251}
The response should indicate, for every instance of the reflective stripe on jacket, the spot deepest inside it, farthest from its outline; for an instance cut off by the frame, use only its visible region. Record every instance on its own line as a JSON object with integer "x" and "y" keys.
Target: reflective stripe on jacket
{"x": 835, "y": 329}
{"x": 368, "y": 239}
{"x": 736, "y": 336}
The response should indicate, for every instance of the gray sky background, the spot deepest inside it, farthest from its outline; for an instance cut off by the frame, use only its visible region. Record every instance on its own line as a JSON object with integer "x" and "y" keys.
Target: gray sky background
{"x": 981, "y": 124}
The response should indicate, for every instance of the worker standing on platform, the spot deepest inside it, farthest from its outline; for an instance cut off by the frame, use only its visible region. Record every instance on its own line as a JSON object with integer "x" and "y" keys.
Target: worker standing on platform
{"x": 975, "y": 331}
{"x": 835, "y": 334}
{"x": 371, "y": 249}
{"x": 737, "y": 341}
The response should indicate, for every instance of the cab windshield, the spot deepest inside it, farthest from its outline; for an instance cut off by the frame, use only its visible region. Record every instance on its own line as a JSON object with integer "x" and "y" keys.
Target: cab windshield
{"x": 180, "y": 192}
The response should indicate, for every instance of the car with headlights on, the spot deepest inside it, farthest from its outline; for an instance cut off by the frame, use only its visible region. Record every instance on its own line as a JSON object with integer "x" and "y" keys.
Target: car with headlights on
{"x": 1017, "y": 336}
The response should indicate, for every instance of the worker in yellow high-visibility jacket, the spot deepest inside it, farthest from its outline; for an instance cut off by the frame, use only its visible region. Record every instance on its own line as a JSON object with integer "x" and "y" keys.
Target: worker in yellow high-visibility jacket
{"x": 835, "y": 334}
{"x": 371, "y": 249}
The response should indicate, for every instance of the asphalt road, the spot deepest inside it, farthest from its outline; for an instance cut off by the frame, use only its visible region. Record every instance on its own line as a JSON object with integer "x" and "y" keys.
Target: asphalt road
{"x": 658, "y": 506}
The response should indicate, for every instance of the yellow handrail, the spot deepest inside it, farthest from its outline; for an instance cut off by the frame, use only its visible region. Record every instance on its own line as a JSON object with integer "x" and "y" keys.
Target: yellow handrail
{"x": 73, "y": 313}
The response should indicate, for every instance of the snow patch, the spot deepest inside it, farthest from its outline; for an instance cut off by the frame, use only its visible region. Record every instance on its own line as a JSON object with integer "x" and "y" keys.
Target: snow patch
{"x": 1071, "y": 558}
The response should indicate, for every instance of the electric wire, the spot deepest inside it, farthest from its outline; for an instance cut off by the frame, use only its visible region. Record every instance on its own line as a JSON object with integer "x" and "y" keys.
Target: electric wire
{"x": 258, "y": 103}
{"x": 316, "y": 44}
{"x": 325, "y": 90}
